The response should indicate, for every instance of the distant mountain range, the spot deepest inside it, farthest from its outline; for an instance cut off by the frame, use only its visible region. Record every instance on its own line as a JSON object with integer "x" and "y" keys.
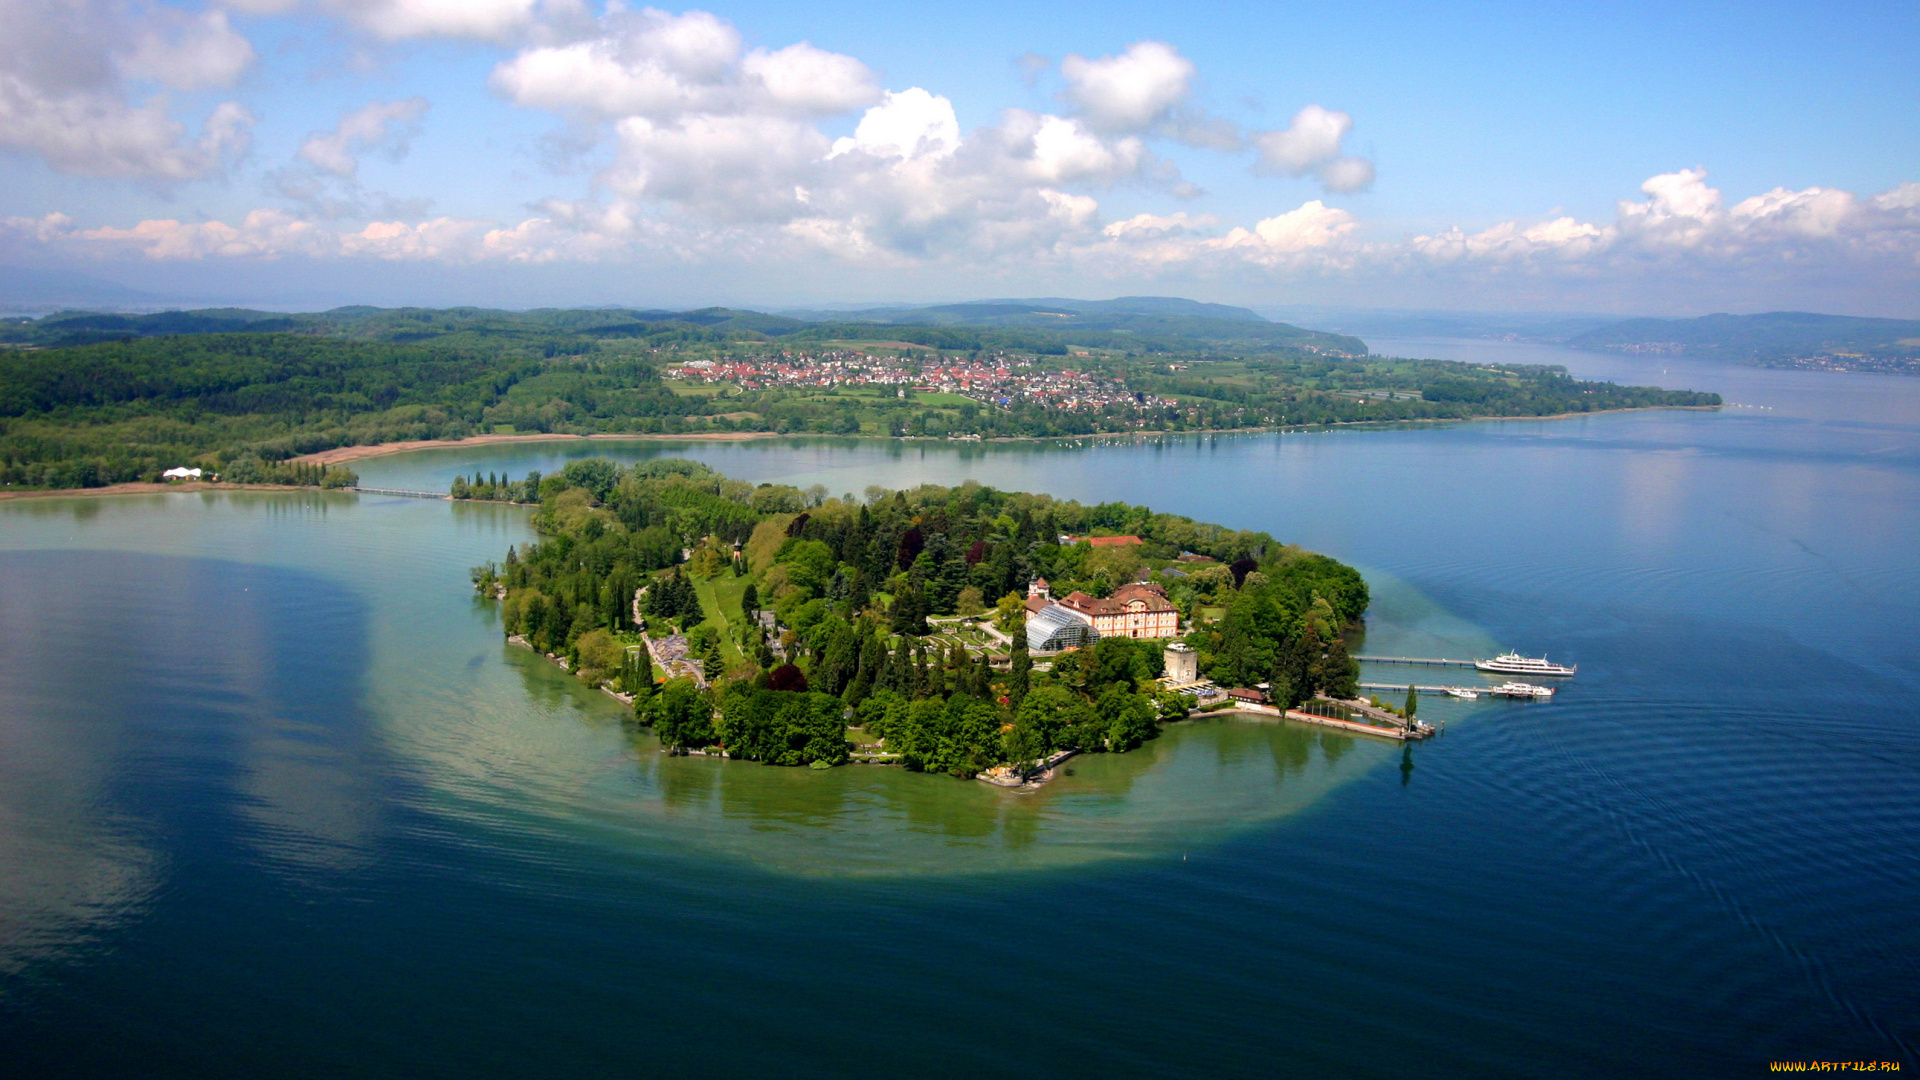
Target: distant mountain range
{"x": 1775, "y": 339}
{"x": 27, "y": 290}
{"x": 1154, "y": 317}
{"x": 1043, "y": 311}
{"x": 1141, "y": 323}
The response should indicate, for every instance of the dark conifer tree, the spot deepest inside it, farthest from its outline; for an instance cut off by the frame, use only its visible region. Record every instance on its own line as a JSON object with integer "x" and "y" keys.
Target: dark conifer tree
{"x": 921, "y": 684}
{"x": 1022, "y": 673}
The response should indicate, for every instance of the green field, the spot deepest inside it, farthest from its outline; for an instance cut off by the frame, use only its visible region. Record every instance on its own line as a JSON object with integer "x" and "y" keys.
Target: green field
{"x": 938, "y": 400}
{"x": 720, "y": 599}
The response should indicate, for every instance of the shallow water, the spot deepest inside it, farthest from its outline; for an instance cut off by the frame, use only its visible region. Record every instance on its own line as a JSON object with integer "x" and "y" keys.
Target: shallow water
{"x": 274, "y": 797}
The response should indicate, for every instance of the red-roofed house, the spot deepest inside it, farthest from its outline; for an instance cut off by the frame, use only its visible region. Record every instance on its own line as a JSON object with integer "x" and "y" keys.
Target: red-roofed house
{"x": 1106, "y": 541}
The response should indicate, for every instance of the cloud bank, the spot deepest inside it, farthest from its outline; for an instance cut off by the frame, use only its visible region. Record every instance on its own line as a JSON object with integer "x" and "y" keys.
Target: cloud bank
{"x": 84, "y": 86}
{"x": 711, "y": 152}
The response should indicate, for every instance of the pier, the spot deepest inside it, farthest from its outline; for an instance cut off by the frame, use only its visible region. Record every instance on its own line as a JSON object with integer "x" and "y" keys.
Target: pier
{"x": 403, "y": 493}
{"x": 1422, "y": 660}
{"x": 1356, "y": 716}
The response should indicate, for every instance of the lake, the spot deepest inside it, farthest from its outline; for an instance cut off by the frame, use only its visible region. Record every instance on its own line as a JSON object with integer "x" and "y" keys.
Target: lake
{"x": 276, "y": 799}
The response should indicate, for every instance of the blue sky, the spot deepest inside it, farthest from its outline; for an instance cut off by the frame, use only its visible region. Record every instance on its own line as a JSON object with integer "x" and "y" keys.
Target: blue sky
{"x": 1633, "y": 158}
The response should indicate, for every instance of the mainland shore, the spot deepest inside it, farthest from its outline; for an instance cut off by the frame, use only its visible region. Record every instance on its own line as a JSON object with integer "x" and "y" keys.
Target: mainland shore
{"x": 341, "y": 454}
{"x": 141, "y": 487}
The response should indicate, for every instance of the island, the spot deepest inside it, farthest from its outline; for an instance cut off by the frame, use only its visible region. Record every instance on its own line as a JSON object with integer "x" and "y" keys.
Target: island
{"x": 91, "y": 400}
{"x": 963, "y": 630}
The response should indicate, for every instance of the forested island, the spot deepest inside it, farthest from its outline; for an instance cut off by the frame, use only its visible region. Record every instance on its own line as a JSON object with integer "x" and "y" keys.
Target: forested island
{"x": 803, "y": 629}
{"x": 88, "y": 400}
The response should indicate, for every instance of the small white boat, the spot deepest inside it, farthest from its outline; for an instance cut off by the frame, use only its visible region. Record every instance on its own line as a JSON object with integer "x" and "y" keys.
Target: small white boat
{"x": 1463, "y": 692}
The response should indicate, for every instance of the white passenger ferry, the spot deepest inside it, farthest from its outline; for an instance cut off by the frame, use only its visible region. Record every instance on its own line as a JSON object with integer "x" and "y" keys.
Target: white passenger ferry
{"x": 1521, "y": 690}
{"x": 1512, "y": 663}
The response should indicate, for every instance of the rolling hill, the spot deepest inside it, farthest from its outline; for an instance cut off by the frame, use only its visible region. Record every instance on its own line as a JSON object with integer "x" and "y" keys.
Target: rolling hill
{"x": 1775, "y": 339}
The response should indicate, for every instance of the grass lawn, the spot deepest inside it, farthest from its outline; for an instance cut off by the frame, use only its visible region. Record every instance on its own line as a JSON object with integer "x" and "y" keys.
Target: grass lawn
{"x": 937, "y": 399}
{"x": 720, "y": 599}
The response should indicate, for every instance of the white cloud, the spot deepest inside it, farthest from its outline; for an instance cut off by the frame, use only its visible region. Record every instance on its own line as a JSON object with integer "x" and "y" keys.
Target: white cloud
{"x": 721, "y": 168}
{"x": 492, "y": 20}
{"x": 1158, "y": 226}
{"x": 1061, "y": 150}
{"x": 975, "y": 213}
{"x": 1130, "y": 92}
{"x": 69, "y": 73}
{"x": 661, "y": 66}
{"x": 1310, "y": 229}
{"x": 385, "y": 126}
{"x": 1146, "y": 90}
{"x": 187, "y": 52}
{"x": 808, "y": 81}
{"x": 1344, "y": 175}
{"x": 905, "y": 125}
{"x": 1311, "y": 144}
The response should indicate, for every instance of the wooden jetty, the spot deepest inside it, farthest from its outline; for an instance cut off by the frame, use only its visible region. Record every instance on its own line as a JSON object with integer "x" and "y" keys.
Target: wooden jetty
{"x": 1420, "y": 660}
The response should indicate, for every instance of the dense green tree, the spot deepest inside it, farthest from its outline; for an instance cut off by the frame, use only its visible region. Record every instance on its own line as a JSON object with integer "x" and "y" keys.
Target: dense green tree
{"x": 781, "y": 727}
{"x": 908, "y": 615}
{"x": 680, "y": 715}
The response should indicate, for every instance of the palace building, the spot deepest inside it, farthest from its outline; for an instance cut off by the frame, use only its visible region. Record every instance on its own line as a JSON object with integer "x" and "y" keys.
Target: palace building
{"x": 1136, "y": 610}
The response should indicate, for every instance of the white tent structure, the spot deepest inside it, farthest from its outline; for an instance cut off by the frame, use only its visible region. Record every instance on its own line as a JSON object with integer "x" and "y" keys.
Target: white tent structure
{"x": 181, "y": 473}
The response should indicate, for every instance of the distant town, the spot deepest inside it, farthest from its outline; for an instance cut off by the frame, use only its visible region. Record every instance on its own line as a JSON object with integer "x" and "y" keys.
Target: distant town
{"x": 1002, "y": 380}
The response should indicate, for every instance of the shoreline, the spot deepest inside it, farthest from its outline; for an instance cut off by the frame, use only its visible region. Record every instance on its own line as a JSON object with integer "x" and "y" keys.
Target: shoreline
{"x": 342, "y": 454}
{"x": 142, "y": 487}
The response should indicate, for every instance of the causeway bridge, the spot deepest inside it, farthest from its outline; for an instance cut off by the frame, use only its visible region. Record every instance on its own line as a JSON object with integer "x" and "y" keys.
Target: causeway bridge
{"x": 403, "y": 493}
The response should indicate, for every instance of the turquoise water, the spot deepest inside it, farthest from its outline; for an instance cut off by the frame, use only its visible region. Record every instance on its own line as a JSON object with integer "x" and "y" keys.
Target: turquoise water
{"x": 275, "y": 799}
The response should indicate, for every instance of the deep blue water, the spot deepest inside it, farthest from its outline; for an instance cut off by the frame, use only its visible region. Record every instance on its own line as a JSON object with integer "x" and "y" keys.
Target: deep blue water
{"x": 273, "y": 799}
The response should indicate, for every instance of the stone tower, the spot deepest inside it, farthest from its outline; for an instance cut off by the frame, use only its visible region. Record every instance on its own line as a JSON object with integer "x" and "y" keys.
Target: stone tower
{"x": 1183, "y": 664}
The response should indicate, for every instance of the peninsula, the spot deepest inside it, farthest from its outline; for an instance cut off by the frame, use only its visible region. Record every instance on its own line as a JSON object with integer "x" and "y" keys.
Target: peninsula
{"x": 900, "y": 627}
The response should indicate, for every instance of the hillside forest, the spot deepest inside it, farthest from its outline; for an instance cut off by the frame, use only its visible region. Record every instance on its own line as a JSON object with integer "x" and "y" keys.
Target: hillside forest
{"x": 89, "y": 400}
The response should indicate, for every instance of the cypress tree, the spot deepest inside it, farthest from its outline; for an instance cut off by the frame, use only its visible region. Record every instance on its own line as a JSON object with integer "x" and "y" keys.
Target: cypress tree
{"x": 1022, "y": 674}
{"x": 920, "y": 682}
{"x": 1342, "y": 672}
